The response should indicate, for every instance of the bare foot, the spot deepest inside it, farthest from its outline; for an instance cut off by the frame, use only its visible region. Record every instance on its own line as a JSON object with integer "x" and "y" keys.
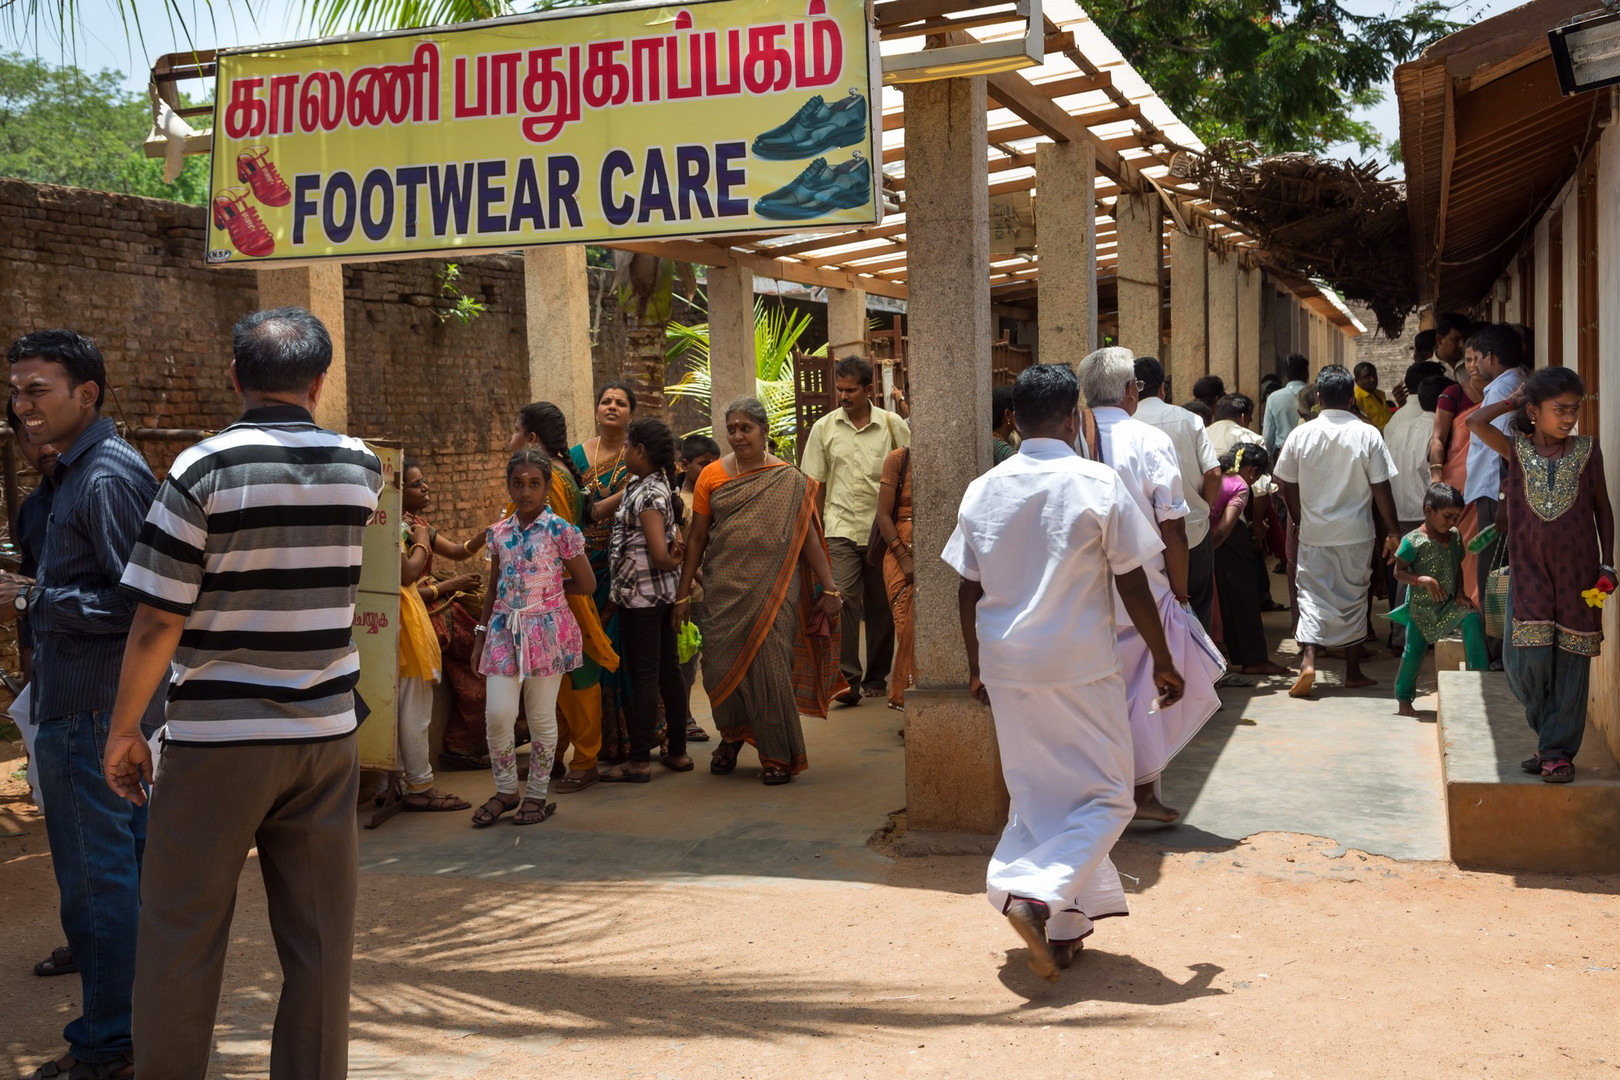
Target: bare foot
{"x": 1149, "y": 808}
{"x": 1404, "y": 708}
{"x": 1352, "y": 682}
{"x": 1302, "y": 685}
{"x": 1268, "y": 668}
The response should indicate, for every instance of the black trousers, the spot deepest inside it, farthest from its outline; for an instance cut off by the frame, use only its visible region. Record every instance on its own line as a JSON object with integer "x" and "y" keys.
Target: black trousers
{"x": 655, "y": 674}
{"x": 1201, "y": 582}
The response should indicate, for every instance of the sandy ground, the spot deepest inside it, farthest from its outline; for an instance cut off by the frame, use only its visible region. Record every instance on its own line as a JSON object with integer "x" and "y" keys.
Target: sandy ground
{"x": 1285, "y": 956}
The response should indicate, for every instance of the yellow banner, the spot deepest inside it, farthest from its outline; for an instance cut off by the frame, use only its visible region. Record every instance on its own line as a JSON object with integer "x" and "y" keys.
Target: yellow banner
{"x": 608, "y": 124}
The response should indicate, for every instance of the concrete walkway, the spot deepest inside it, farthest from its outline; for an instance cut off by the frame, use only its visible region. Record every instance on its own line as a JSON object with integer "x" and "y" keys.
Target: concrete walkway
{"x": 681, "y": 826}
{"x": 1340, "y": 765}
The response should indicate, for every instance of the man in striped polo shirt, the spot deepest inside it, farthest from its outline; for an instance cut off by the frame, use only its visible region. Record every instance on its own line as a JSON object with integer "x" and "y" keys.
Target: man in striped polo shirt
{"x": 246, "y": 574}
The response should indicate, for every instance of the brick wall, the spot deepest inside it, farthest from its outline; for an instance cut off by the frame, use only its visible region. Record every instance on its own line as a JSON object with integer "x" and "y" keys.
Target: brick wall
{"x": 128, "y": 271}
{"x": 1392, "y": 357}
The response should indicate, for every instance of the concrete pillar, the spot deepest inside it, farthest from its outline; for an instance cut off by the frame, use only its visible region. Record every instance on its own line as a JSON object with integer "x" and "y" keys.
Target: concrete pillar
{"x": 1189, "y": 311}
{"x": 846, "y": 320}
{"x": 557, "y": 305}
{"x": 953, "y": 772}
{"x": 1252, "y": 361}
{"x": 1067, "y": 228}
{"x": 318, "y": 288}
{"x": 1139, "y": 218}
{"x": 1223, "y": 317}
{"x": 1271, "y": 349}
{"x": 733, "y": 367}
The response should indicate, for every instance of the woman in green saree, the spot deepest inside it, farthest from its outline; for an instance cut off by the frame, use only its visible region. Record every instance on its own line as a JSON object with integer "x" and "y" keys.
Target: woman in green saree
{"x": 770, "y": 642}
{"x": 600, "y": 463}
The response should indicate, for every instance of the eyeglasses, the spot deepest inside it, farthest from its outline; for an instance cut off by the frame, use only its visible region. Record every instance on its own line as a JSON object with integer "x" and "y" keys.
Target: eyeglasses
{"x": 1140, "y": 385}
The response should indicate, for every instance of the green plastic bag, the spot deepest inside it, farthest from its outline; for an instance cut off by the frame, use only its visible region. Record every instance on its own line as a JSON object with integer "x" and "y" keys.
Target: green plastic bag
{"x": 1402, "y": 615}
{"x": 688, "y": 641}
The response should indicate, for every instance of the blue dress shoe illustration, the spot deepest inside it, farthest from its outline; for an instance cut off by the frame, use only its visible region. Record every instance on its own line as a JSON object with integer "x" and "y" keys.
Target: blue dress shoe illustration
{"x": 819, "y": 190}
{"x": 815, "y": 129}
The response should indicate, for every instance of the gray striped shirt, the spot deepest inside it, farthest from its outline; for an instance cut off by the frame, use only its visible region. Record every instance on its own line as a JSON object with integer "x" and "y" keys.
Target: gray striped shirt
{"x": 255, "y": 537}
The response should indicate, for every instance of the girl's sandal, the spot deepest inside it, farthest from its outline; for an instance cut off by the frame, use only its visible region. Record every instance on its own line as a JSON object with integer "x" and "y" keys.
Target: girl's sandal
{"x": 533, "y": 812}
{"x": 491, "y": 811}
{"x": 774, "y": 776}
{"x": 1557, "y": 770}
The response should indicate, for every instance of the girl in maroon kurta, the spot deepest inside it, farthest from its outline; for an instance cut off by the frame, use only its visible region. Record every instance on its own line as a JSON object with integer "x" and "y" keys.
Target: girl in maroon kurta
{"x": 1561, "y": 540}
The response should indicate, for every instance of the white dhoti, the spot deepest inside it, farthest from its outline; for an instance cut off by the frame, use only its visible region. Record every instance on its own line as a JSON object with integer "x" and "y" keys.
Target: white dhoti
{"x": 1332, "y": 583}
{"x": 1066, "y": 756}
{"x": 1159, "y": 734}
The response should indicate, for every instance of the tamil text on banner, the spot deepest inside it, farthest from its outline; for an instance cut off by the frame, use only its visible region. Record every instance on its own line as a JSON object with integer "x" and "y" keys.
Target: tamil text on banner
{"x": 615, "y": 123}
{"x": 376, "y": 617}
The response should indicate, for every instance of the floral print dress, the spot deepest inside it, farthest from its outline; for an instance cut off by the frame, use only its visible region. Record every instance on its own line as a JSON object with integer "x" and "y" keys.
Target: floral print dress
{"x": 532, "y": 633}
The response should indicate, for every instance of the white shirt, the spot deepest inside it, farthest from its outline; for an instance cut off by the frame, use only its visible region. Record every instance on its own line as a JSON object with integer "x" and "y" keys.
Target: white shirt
{"x": 1282, "y": 415}
{"x": 1335, "y": 459}
{"x": 1225, "y": 434}
{"x": 1194, "y": 454}
{"x": 1407, "y": 435}
{"x": 1042, "y": 533}
{"x": 1145, "y": 459}
{"x": 1485, "y": 468}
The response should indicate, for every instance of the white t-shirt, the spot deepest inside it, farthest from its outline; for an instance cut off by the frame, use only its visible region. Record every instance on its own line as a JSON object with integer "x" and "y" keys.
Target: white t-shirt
{"x": 1225, "y": 434}
{"x": 1335, "y": 459}
{"x": 1043, "y": 533}
{"x": 1407, "y": 435}
{"x": 1194, "y": 454}
{"x": 1144, "y": 458}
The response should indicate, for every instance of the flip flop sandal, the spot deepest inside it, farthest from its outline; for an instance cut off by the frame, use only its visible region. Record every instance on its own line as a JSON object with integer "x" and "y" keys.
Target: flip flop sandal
{"x": 1557, "y": 770}
{"x": 626, "y": 777}
{"x": 774, "y": 776}
{"x": 570, "y": 784}
{"x": 668, "y": 762}
{"x": 723, "y": 762}
{"x": 85, "y": 1070}
{"x": 695, "y": 732}
{"x": 543, "y": 813}
{"x": 60, "y": 962}
{"x": 1532, "y": 764}
{"x": 440, "y": 802}
{"x": 492, "y": 816}
{"x": 1234, "y": 679}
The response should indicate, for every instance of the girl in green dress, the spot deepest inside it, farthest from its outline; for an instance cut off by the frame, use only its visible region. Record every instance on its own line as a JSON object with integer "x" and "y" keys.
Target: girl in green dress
{"x": 1429, "y": 563}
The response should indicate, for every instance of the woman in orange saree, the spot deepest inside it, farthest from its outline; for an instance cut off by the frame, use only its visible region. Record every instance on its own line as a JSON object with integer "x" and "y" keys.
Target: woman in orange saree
{"x": 770, "y": 641}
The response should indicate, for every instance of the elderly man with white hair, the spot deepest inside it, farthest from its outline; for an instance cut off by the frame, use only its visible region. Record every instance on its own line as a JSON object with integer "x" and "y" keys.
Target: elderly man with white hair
{"x": 1145, "y": 459}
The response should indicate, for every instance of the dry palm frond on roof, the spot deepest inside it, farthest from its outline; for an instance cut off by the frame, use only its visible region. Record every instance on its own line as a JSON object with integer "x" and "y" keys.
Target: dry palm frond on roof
{"x": 1324, "y": 219}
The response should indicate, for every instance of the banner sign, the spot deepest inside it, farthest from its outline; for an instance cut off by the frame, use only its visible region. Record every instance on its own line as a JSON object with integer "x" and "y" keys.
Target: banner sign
{"x": 613, "y": 123}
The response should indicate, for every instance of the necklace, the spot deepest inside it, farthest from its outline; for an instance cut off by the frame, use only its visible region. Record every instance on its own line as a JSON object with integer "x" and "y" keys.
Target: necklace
{"x": 596, "y": 467}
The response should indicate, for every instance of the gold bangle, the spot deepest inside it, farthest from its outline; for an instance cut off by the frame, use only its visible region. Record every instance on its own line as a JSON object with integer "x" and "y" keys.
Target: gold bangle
{"x": 831, "y": 592}
{"x": 684, "y": 599}
{"x": 413, "y": 547}
{"x": 435, "y": 589}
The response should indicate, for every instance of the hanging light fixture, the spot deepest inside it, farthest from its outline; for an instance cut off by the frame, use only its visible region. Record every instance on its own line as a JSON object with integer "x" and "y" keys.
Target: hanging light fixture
{"x": 1586, "y": 51}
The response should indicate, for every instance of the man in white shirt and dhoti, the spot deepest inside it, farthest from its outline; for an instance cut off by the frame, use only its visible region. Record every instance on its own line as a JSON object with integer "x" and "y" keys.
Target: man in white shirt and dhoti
{"x": 1145, "y": 458}
{"x": 1335, "y": 471}
{"x": 1038, "y": 541}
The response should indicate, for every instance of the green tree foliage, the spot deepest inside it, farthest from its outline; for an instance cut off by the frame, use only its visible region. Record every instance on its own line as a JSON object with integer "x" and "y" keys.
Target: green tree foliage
{"x": 61, "y": 125}
{"x": 1282, "y": 75}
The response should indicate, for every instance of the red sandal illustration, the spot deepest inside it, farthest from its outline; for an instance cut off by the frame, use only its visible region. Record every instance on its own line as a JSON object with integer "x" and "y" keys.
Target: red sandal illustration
{"x": 248, "y": 233}
{"x": 254, "y": 168}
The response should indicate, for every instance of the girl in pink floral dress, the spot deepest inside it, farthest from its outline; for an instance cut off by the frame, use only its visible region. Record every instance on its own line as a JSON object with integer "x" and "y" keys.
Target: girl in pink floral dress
{"x": 528, "y": 639}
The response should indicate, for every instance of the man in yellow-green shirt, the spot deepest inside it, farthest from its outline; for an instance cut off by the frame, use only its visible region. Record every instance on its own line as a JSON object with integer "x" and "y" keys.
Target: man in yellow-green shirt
{"x": 844, "y": 454}
{"x": 1369, "y": 399}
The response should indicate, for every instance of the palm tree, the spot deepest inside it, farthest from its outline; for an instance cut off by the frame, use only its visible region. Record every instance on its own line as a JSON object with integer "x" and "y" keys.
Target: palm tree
{"x": 776, "y": 330}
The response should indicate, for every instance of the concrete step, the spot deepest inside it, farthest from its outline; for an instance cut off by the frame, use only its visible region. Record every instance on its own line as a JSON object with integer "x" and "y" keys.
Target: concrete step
{"x": 1502, "y": 818}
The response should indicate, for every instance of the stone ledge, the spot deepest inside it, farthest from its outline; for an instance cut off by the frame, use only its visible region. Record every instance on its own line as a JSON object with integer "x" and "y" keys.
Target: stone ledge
{"x": 1502, "y": 818}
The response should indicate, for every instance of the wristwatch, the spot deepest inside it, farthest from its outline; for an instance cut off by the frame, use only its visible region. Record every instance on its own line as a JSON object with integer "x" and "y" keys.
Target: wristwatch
{"x": 21, "y": 600}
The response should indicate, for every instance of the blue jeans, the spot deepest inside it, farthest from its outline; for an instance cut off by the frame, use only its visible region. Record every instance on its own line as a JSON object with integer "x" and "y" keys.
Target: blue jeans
{"x": 96, "y": 844}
